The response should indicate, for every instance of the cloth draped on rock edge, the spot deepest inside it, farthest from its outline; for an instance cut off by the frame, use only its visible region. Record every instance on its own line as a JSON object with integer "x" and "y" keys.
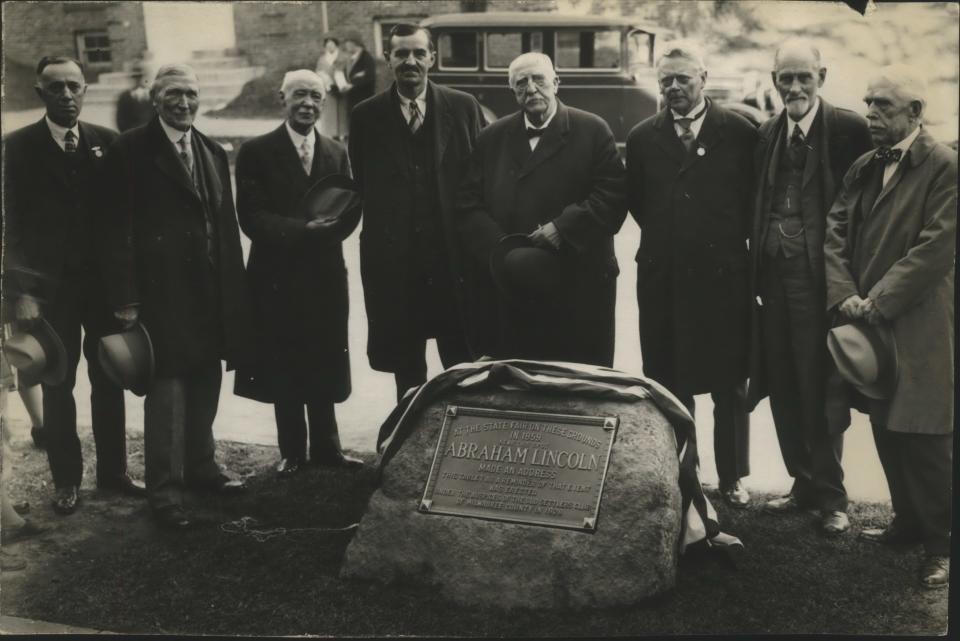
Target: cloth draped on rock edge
{"x": 699, "y": 521}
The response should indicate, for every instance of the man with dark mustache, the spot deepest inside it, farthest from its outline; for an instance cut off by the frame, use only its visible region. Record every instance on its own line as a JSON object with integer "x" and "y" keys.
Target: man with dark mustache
{"x": 407, "y": 146}
{"x": 801, "y": 159}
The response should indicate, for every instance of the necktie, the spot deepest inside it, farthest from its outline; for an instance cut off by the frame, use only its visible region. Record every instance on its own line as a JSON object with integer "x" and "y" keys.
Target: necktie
{"x": 797, "y": 138}
{"x": 886, "y": 155}
{"x": 686, "y": 137}
{"x": 186, "y": 154}
{"x": 69, "y": 142}
{"x": 533, "y": 132}
{"x": 305, "y": 155}
{"x": 414, "y": 122}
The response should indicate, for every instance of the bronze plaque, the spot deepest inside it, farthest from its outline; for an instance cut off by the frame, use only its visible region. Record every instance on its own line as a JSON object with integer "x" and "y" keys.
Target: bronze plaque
{"x": 527, "y": 467}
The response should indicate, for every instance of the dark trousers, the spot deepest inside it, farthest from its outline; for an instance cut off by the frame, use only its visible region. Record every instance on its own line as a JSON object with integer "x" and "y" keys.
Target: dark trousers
{"x": 731, "y": 433}
{"x": 794, "y": 330}
{"x": 178, "y": 415}
{"x": 79, "y": 304}
{"x": 292, "y": 430}
{"x": 919, "y": 471}
{"x": 452, "y": 347}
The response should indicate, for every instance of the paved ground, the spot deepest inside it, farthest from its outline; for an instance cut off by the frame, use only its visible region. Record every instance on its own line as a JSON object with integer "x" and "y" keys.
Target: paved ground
{"x": 360, "y": 416}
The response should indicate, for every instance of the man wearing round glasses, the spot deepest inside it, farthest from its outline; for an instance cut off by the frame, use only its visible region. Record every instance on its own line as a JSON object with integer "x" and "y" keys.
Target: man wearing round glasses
{"x": 690, "y": 189}
{"x": 553, "y": 173}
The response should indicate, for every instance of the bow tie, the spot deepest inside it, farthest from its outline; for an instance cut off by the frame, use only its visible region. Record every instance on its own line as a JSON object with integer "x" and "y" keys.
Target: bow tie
{"x": 887, "y": 155}
{"x": 533, "y": 132}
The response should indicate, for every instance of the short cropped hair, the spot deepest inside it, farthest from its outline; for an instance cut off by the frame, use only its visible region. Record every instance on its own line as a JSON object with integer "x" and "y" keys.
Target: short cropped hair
{"x": 526, "y": 58}
{"x": 166, "y": 71}
{"x": 907, "y": 81}
{"x": 333, "y": 39}
{"x": 402, "y": 29}
{"x": 797, "y": 43}
{"x": 683, "y": 49}
{"x": 301, "y": 74}
{"x": 46, "y": 61}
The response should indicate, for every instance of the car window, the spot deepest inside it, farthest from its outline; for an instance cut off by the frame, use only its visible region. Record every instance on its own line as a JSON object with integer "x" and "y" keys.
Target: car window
{"x": 587, "y": 49}
{"x": 503, "y": 47}
{"x": 458, "y": 50}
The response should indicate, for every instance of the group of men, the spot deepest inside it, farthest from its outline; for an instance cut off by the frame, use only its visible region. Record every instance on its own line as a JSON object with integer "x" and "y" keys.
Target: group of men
{"x": 497, "y": 240}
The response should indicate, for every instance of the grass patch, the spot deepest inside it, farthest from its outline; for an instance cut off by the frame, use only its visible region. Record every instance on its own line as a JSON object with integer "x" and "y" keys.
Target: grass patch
{"x": 108, "y": 567}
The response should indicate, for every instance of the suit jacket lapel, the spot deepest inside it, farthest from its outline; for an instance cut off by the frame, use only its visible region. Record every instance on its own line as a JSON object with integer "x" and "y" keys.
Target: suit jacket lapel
{"x": 775, "y": 148}
{"x": 814, "y": 144}
{"x": 288, "y": 161}
{"x": 666, "y": 136}
{"x": 517, "y": 141}
{"x": 552, "y": 141}
{"x": 442, "y": 122}
{"x": 711, "y": 133}
{"x": 45, "y": 145}
{"x": 204, "y": 156}
{"x": 167, "y": 160}
{"x": 393, "y": 129}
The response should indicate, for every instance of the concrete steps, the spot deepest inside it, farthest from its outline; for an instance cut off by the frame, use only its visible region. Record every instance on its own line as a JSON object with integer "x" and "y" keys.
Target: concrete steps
{"x": 222, "y": 74}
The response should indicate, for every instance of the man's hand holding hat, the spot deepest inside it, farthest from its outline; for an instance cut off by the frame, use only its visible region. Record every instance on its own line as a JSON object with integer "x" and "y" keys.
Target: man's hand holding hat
{"x": 27, "y": 308}
{"x": 546, "y": 236}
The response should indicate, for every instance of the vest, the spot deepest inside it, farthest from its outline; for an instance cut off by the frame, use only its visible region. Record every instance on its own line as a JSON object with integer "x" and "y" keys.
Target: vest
{"x": 79, "y": 170}
{"x": 785, "y": 226}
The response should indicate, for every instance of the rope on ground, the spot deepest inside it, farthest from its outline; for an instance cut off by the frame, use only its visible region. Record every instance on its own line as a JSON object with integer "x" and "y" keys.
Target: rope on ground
{"x": 248, "y": 525}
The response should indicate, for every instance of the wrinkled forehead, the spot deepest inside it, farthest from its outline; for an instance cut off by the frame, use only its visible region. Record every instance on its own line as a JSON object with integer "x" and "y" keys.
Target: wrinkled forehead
{"x": 534, "y": 68}
{"x": 796, "y": 63}
{"x": 677, "y": 65}
{"x": 880, "y": 87}
{"x": 303, "y": 84}
{"x": 412, "y": 41}
{"x": 61, "y": 71}
{"x": 181, "y": 82}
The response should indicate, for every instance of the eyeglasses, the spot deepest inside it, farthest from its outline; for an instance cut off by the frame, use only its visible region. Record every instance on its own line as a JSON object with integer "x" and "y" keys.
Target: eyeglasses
{"x": 541, "y": 82}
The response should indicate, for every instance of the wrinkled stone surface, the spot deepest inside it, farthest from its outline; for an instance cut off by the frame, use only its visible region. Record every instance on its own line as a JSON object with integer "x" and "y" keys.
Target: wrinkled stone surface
{"x": 632, "y": 554}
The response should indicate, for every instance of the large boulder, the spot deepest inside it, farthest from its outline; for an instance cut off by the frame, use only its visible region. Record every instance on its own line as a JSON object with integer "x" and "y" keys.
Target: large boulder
{"x": 631, "y": 555}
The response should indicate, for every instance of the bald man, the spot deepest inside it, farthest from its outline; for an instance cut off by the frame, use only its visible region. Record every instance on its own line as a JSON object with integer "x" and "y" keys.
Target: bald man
{"x": 890, "y": 253}
{"x": 297, "y": 279}
{"x": 801, "y": 158}
{"x": 175, "y": 264}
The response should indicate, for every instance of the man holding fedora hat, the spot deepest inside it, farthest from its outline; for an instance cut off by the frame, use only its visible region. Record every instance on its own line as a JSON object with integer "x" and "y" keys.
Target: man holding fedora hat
{"x": 890, "y": 253}
{"x": 52, "y": 187}
{"x": 174, "y": 263}
{"x": 296, "y": 203}
{"x": 537, "y": 211}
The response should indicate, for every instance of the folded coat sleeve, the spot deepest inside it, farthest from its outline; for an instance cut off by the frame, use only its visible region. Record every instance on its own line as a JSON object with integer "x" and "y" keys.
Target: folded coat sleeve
{"x": 836, "y": 251}
{"x": 933, "y": 254}
{"x": 589, "y": 222}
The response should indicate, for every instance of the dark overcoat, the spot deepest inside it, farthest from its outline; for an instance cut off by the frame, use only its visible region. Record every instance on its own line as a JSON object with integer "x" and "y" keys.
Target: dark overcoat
{"x": 574, "y": 178}
{"x": 901, "y": 254}
{"x": 362, "y": 75}
{"x": 378, "y": 157}
{"x": 155, "y": 248}
{"x": 297, "y": 277}
{"x": 694, "y": 211}
{"x": 842, "y": 138}
{"x": 44, "y": 218}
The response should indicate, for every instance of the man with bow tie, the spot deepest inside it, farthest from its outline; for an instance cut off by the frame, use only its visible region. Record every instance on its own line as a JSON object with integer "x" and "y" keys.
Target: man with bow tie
{"x": 298, "y": 280}
{"x": 890, "y": 254}
{"x": 801, "y": 159}
{"x": 690, "y": 189}
{"x": 174, "y": 263}
{"x": 52, "y": 187}
{"x": 407, "y": 148}
{"x": 551, "y": 172}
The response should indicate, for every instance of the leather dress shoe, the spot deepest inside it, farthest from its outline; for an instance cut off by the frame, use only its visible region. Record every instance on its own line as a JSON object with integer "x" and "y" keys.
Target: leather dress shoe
{"x": 787, "y": 503}
{"x": 935, "y": 572}
{"x": 125, "y": 485}
{"x": 173, "y": 518}
{"x": 288, "y": 467}
{"x": 66, "y": 500}
{"x": 834, "y": 522}
{"x": 25, "y": 531}
{"x": 338, "y": 459}
{"x": 889, "y": 536}
{"x": 227, "y": 486}
{"x": 736, "y": 495}
{"x": 39, "y": 437}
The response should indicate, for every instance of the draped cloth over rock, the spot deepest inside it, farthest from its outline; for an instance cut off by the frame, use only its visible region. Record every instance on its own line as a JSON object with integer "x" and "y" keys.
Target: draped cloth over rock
{"x": 700, "y": 519}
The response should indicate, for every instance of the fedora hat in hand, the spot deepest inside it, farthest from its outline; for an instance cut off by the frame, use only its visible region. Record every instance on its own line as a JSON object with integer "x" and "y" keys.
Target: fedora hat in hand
{"x": 336, "y": 199}
{"x": 866, "y": 356}
{"x": 527, "y": 273}
{"x": 127, "y": 359}
{"x": 37, "y": 353}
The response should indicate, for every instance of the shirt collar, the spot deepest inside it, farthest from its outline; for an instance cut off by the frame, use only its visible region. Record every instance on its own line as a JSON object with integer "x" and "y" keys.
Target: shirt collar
{"x": 904, "y": 144}
{"x": 700, "y": 108}
{"x": 296, "y": 136}
{"x": 546, "y": 122}
{"x": 806, "y": 122}
{"x": 59, "y": 132}
{"x": 174, "y": 135}
{"x": 421, "y": 101}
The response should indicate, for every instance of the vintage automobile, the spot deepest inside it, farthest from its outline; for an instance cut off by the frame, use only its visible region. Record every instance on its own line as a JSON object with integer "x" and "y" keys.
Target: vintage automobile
{"x": 605, "y": 63}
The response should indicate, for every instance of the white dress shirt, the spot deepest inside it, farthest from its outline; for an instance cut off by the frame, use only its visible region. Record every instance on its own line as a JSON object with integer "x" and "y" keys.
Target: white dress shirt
{"x": 903, "y": 146}
{"x": 59, "y": 133}
{"x": 804, "y": 123}
{"x": 526, "y": 121}
{"x": 421, "y": 104}
{"x": 298, "y": 140}
{"x": 700, "y": 108}
{"x": 174, "y": 135}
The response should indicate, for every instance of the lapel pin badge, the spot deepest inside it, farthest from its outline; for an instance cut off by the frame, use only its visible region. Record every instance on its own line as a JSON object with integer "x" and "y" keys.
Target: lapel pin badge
{"x": 97, "y": 151}
{"x": 701, "y": 151}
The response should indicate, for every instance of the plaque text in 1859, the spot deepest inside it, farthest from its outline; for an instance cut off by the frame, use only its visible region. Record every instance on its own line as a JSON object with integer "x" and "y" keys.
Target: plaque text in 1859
{"x": 528, "y": 467}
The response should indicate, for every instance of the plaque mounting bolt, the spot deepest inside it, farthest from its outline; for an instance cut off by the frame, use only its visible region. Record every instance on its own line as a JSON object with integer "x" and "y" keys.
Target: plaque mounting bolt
{"x": 589, "y": 524}
{"x": 609, "y": 423}
{"x": 451, "y": 410}
{"x": 425, "y": 505}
